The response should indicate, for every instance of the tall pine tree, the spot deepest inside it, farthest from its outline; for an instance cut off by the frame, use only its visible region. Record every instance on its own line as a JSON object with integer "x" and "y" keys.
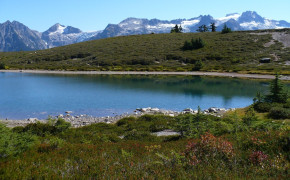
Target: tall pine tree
{"x": 176, "y": 29}
{"x": 202, "y": 28}
{"x": 277, "y": 92}
{"x": 213, "y": 27}
{"x": 226, "y": 29}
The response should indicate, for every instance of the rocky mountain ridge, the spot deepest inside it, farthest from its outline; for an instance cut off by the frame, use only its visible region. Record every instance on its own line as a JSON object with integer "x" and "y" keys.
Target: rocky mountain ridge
{"x": 15, "y": 36}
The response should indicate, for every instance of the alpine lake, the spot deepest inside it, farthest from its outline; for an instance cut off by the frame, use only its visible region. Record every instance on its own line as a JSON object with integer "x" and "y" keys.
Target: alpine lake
{"x": 25, "y": 95}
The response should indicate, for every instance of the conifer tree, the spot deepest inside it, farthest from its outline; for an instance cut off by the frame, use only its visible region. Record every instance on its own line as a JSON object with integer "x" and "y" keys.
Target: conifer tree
{"x": 202, "y": 28}
{"x": 226, "y": 29}
{"x": 180, "y": 29}
{"x": 187, "y": 45}
{"x": 277, "y": 91}
{"x": 197, "y": 65}
{"x": 193, "y": 44}
{"x": 176, "y": 29}
{"x": 213, "y": 27}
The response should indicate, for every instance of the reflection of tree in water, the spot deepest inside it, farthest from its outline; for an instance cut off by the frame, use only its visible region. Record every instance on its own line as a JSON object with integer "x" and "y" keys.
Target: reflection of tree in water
{"x": 225, "y": 87}
{"x": 194, "y": 86}
{"x": 226, "y": 101}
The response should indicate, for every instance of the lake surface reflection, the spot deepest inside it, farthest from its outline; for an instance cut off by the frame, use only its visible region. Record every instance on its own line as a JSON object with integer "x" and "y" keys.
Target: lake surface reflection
{"x": 25, "y": 95}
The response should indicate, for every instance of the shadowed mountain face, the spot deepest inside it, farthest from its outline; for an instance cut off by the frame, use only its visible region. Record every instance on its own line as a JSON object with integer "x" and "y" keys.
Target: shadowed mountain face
{"x": 16, "y": 36}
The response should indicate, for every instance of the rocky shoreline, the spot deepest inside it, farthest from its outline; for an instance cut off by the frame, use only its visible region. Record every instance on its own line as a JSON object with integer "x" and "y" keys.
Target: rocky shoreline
{"x": 84, "y": 120}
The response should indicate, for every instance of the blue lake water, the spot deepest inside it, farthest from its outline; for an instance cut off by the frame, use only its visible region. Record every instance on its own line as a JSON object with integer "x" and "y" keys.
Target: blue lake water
{"x": 24, "y": 95}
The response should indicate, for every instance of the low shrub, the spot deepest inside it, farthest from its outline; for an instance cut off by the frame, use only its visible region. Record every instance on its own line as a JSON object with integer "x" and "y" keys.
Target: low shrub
{"x": 52, "y": 143}
{"x": 279, "y": 113}
{"x": 140, "y": 136}
{"x": 12, "y": 143}
{"x": 61, "y": 125}
{"x": 221, "y": 127}
{"x": 250, "y": 116}
{"x": 223, "y": 148}
{"x": 40, "y": 129}
{"x": 18, "y": 129}
{"x": 193, "y": 44}
{"x": 287, "y": 104}
{"x": 195, "y": 125}
{"x": 148, "y": 123}
{"x": 198, "y": 65}
{"x": 93, "y": 134}
{"x": 258, "y": 158}
{"x": 262, "y": 107}
{"x": 209, "y": 148}
{"x": 226, "y": 29}
{"x": 3, "y": 66}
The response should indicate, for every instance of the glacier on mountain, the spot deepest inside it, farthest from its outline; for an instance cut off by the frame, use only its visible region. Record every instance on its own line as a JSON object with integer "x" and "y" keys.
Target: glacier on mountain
{"x": 60, "y": 35}
{"x": 20, "y": 37}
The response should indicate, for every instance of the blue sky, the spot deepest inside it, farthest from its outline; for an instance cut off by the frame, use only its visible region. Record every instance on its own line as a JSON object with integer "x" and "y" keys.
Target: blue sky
{"x": 89, "y": 15}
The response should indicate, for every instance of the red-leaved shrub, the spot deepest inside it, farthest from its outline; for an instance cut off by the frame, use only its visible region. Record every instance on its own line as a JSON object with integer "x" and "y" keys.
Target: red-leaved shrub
{"x": 208, "y": 148}
{"x": 258, "y": 157}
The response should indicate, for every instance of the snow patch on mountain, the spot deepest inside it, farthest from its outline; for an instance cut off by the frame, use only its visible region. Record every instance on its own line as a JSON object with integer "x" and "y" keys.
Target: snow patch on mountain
{"x": 189, "y": 23}
{"x": 268, "y": 24}
{"x": 60, "y": 35}
{"x": 59, "y": 29}
{"x": 159, "y": 27}
{"x": 86, "y": 35}
{"x": 251, "y": 25}
{"x": 16, "y": 36}
{"x": 222, "y": 20}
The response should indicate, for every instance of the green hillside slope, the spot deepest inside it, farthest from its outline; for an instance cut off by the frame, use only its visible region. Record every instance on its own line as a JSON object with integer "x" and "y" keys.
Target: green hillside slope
{"x": 232, "y": 52}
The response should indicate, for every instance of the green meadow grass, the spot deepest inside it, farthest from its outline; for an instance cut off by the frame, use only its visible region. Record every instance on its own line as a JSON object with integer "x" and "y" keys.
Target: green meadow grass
{"x": 222, "y": 148}
{"x": 231, "y": 52}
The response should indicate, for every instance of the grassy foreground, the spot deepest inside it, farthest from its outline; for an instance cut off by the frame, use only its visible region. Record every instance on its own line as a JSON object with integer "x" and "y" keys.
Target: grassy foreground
{"x": 232, "y": 52}
{"x": 242, "y": 144}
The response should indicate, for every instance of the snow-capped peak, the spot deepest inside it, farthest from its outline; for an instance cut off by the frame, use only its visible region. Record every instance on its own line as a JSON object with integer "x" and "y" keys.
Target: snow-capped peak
{"x": 253, "y": 14}
{"x": 60, "y": 35}
{"x": 222, "y": 20}
{"x": 131, "y": 22}
{"x": 57, "y": 29}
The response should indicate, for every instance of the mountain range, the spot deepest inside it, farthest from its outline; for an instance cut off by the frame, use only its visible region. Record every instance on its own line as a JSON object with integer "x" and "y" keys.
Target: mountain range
{"x": 15, "y": 36}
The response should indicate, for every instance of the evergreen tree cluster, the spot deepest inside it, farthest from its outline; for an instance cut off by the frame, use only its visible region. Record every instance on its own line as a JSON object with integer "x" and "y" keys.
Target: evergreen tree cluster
{"x": 2, "y": 66}
{"x": 198, "y": 65}
{"x": 277, "y": 93}
{"x": 226, "y": 29}
{"x": 193, "y": 44}
{"x": 276, "y": 102}
{"x": 176, "y": 29}
{"x": 204, "y": 28}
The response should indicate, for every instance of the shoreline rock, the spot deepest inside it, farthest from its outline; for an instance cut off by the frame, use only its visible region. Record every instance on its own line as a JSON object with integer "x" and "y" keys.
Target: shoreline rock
{"x": 84, "y": 120}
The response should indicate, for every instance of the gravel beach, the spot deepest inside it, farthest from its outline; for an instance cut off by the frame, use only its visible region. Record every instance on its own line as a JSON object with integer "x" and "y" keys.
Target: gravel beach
{"x": 219, "y": 74}
{"x": 84, "y": 120}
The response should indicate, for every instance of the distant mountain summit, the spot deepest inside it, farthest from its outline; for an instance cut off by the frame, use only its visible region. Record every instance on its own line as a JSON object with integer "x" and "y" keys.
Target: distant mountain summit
{"x": 15, "y": 36}
{"x": 60, "y": 35}
{"x": 249, "y": 20}
{"x": 250, "y": 16}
